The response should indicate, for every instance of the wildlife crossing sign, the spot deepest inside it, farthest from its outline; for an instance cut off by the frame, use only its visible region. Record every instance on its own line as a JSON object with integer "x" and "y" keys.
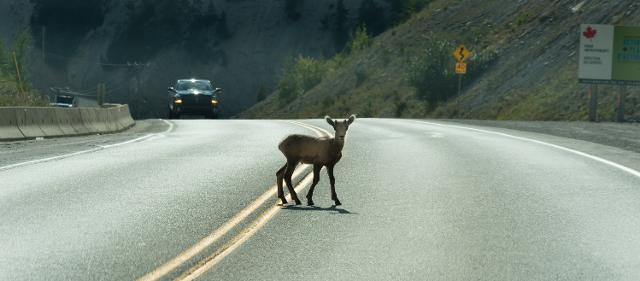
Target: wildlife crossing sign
{"x": 609, "y": 54}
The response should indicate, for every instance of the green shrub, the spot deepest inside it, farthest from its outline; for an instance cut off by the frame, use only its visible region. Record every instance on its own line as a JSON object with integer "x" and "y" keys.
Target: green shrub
{"x": 433, "y": 75}
{"x": 400, "y": 104}
{"x": 327, "y": 103}
{"x": 262, "y": 93}
{"x": 368, "y": 111}
{"x": 361, "y": 74}
{"x": 300, "y": 75}
{"x": 358, "y": 41}
{"x": 310, "y": 72}
{"x": 13, "y": 93}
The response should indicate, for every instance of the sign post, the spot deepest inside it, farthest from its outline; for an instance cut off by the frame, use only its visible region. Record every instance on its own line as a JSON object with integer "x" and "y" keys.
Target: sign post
{"x": 609, "y": 55}
{"x": 593, "y": 103}
{"x": 620, "y": 107}
{"x": 461, "y": 54}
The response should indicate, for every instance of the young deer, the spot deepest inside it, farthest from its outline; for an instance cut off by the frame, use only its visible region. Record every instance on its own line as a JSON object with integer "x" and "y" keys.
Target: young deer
{"x": 317, "y": 151}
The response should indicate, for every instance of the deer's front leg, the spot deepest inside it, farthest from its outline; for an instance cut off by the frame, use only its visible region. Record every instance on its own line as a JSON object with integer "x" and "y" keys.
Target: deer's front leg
{"x": 332, "y": 180}
{"x": 316, "y": 179}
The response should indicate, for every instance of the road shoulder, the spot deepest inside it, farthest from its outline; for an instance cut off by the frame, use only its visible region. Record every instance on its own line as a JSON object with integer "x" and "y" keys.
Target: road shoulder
{"x": 619, "y": 143}
{"x": 30, "y": 150}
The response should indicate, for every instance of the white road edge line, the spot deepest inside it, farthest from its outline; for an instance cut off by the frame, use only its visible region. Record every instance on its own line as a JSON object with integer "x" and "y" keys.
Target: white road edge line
{"x": 101, "y": 147}
{"x": 592, "y": 157}
{"x": 227, "y": 226}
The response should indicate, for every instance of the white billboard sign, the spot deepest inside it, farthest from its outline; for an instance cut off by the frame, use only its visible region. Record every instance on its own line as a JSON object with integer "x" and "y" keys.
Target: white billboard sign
{"x": 596, "y": 52}
{"x": 609, "y": 54}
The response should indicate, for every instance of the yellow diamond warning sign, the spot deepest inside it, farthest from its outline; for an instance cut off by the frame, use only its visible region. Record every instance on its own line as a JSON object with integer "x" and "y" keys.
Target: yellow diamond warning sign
{"x": 461, "y": 53}
{"x": 461, "y": 68}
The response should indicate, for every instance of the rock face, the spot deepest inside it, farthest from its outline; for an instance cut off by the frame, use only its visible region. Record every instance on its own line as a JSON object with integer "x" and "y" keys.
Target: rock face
{"x": 138, "y": 48}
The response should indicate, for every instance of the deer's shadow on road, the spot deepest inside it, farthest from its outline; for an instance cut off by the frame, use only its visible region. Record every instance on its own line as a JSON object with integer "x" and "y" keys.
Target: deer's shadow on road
{"x": 333, "y": 208}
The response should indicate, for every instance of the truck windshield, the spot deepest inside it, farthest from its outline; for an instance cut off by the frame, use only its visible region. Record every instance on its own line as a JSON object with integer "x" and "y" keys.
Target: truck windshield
{"x": 64, "y": 99}
{"x": 196, "y": 85}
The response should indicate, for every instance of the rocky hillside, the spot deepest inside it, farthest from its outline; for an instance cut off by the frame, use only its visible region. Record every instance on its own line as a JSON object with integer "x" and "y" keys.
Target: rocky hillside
{"x": 139, "y": 47}
{"x": 526, "y": 67}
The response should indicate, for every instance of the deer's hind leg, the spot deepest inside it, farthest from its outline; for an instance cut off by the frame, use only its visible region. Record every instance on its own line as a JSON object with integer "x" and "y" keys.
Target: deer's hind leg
{"x": 316, "y": 179}
{"x": 291, "y": 166}
{"x": 279, "y": 181}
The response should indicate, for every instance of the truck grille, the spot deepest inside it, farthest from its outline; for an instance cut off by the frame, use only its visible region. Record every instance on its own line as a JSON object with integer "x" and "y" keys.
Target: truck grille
{"x": 196, "y": 100}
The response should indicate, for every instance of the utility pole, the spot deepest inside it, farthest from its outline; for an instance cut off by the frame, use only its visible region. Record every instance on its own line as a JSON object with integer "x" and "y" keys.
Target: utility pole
{"x": 101, "y": 93}
{"x": 19, "y": 78}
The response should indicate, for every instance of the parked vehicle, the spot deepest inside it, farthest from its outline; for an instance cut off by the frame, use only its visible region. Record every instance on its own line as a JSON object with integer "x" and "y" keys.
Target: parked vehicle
{"x": 194, "y": 97}
{"x": 64, "y": 101}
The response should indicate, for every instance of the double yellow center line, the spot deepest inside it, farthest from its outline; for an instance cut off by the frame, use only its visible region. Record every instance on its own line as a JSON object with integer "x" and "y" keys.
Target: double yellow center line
{"x": 221, "y": 252}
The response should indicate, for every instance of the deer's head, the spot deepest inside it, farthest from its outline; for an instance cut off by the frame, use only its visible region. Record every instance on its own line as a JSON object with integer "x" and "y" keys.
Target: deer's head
{"x": 340, "y": 126}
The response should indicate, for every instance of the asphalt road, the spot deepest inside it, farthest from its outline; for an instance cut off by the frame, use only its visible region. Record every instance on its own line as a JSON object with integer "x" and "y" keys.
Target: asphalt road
{"x": 421, "y": 201}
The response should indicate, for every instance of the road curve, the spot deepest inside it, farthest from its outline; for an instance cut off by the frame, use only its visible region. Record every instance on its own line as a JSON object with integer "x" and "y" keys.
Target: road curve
{"x": 421, "y": 201}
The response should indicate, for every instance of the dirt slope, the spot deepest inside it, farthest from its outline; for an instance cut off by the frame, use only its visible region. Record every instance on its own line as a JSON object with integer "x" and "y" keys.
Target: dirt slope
{"x": 534, "y": 77}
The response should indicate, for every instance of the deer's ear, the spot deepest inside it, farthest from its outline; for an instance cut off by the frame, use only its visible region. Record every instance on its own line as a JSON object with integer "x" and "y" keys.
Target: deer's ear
{"x": 330, "y": 121}
{"x": 351, "y": 119}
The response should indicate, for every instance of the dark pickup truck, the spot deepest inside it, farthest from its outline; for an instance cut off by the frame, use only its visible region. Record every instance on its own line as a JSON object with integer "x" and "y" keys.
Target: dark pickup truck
{"x": 194, "y": 97}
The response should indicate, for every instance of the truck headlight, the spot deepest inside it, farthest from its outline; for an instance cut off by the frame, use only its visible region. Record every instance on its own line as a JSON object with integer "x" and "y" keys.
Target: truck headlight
{"x": 177, "y": 101}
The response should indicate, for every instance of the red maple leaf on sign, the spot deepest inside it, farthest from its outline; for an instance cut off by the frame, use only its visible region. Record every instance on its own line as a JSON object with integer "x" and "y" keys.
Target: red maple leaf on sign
{"x": 589, "y": 33}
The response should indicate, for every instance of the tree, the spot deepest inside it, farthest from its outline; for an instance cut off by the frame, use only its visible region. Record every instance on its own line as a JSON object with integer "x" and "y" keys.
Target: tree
{"x": 432, "y": 75}
{"x": 401, "y": 10}
{"x": 372, "y": 15}
{"x": 4, "y": 61}
{"x": 262, "y": 93}
{"x": 358, "y": 41}
{"x": 340, "y": 25}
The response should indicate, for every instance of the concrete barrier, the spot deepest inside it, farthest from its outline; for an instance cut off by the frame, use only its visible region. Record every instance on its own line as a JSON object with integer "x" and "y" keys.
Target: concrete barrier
{"x": 28, "y": 122}
{"x": 76, "y": 121}
{"x": 9, "y": 125}
{"x": 123, "y": 117}
{"x": 104, "y": 118}
{"x": 90, "y": 119}
{"x": 116, "y": 114}
{"x": 31, "y": 122}
{"x": 64, "y": 121}
{"x": 48, "y": 122}
{"x": 127, "y": 117}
